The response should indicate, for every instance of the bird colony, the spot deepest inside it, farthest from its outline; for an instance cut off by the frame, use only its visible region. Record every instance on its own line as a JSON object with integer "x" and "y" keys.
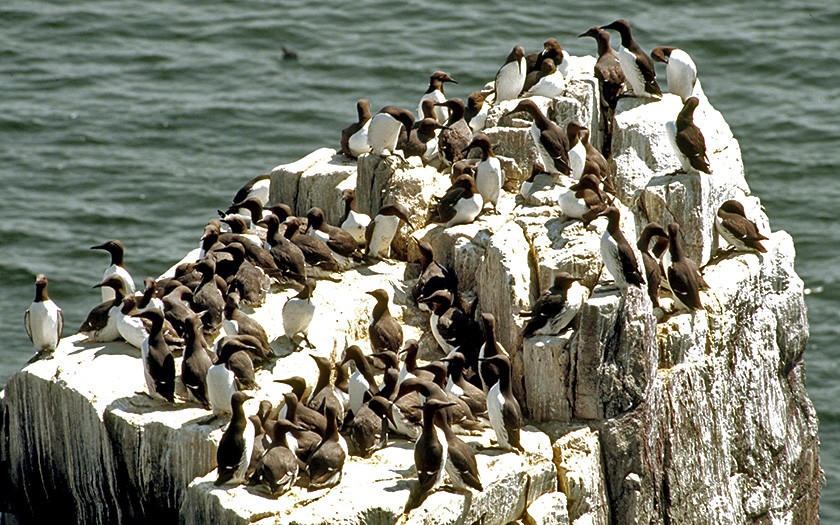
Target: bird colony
{"x": 446, "y": 357}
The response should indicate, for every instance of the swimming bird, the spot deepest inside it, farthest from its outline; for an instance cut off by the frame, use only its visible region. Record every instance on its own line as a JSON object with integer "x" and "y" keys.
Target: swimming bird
{"x": 384, "y": 129}
{"x": 511, "y": 76}
{"x": 636, "y": 65}
{"x": 741, "y": 233}
{"x": 298, "y": 313}
{"x": 354, "y": 138}
{"x": 435, "y": 93}
{"x": 234, "y": 452}
{"x": 383, "y": 228}
{"x": 618, "y": 255}
{"x": 158, "y": 363}
{"x": 430, "y": 455}
{"x": 551, "y": 140}
{"x": 502, "y": 407}
{"x": 461, "y": 203}
{"x": 557, "y": 307}
{"x": 489, "y": 176}
{"x": 117, "y": 266}
{"x": 653, "y": 273}
{"x": 353, "y": 221}
{"x": 384, "y": 331}
{"x": 679, "y": 70}
{"x": 43, "y": 320}
{"x": 683, "y": 276}
{"x": 196, "y": 362}
{"x": 691, "y": 146}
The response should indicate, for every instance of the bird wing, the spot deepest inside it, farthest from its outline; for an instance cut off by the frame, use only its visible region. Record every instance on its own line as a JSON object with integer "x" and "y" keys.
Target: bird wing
{"x": 629, "y": 265}
{"x": 686, "y": 285}
{"x": 60, "y": 324}
{"x": 649, "y": 74}
{"x": 446, "y": 207}
{"x": 691, "y": 143}
{"x": 556, "y": 144}
{"x": 27, "y": 324}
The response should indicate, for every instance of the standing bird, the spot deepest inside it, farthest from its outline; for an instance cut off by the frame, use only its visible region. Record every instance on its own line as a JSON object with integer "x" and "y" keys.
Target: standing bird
{"x": 384, "y": 331}
{"x": 636, "y": 65}
{"x": 117, "y": 251}
{"x": 384, "y": 129}
{"x": 361, "y": 380}
{"x": 741, "y": 233}
{"x": 315, "y": 251}
{"x": 477, "y": 109}
{"x": 557, "y": 307}
{"x": 353, "y": 221}
{"x": 339, "y": 241}
{"x": 551, "y": 140}
{"x": 298, "y": 313}
{"x": 287, "y": 256}
{"x": 460, "y": 459}
{"x": 234, "y": 452}
{"x": 502, "y": 407}
{"x": 691, "y": 146}
{"x": 208, "y": 300}
{"x": 449, "y": 324}
{"x": 653, "y": 273}
{"x": 237, "y": 322}
{"x": 488, "y": 173}
{"x": 433, "y": 276}
{"x": 435, "y": 93}
{"x": 511, "y": 76}
{"x": 618, "y": 255}
{"x": 423, "y": 141}
{"x": 457, "y": 133}
{"x": 354, "y": 138}
{"x": 577, "y": 149}
{"x": 679, "y": 70}
{"x": 684, "y": 278}
{"x": 607, "y": 68}
{"x": 461, "y": 203}
{"x": 583, "y": 200}
{"x": 487, "y": 372}
{"x": 430, "y": 455}
{"x": 383, "y": 228}
{"x": 43, "y": 320}
{"x": 158, "y": 363}
{"x": 196, "y": 362}
{"x": 457, "y": 385}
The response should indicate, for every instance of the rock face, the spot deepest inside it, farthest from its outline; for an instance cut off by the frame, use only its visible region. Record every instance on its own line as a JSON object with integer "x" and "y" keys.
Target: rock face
{"x": 655, "y": 416}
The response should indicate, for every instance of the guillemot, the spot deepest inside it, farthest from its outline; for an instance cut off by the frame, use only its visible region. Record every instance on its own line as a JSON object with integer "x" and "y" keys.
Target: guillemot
{"x": 382, "y": 229}
{"x": 740, "y": 232}
{"x": 158, "y": 363}
{"x": 556, "y": 307}
{"x": 502, "y": 407}
{"x": 435, "y": 93}
{"x": 679, "y": 70}
{"x": 117, "y": 251}
{"x": 636, "y": 65}
{"x": 461, "y": 203}
{"x": 511, "y": 76}
{"x": 354, "y": 138}
{"x": 489, "y": 176}
{"x": 552, "y": 140}
{"x": 234, "y": 452}
{"x": 619, "y": 257}
{"x": 298, "y": 313}
{"x": 43, "y": 320}
{"x": 384, "y": 331}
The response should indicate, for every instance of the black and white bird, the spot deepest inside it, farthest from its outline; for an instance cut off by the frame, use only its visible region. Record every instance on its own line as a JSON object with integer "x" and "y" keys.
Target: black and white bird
{"x": 435, "y": 93}
{"x": 607, "y": 68}
{"x": 653, "y": 272}
{"x": 689, "y": 140}
{"x": 430, "y": 455}
{"x": 361, "y": 380}
{"x": 117, "y": 251}
{"x": 385, "y": 127}
{"x": 353, "y": 221}
{"x": 326, "y": 464}
{"x": 577, "y": 149}
{"x": 557, "y": 307}
{"x": 551, "y": 140}
{"x": 510, "y": 78}
{"x": 741, "y": 233}
{"x": 298, "y": 313}
{"x": 619, "y": 257}
{"x": 384, "y": 331}
{"x": 583, "y": 200}
{"x": 100, "y": 325}
{"x": 457, "y": 134}
{"x": 338, "y": 240}
{"x": 237, "y": 322}
{"x": 354, "y": 138}
{"x": 490, "y": 348}
{"x": 236, "y": 445}
{"x": 489, "y": 176}
{"x": 461, "y": 465}
{"x": 196, "y": 362}
{"x": 636, "y": 65}
{"x": 158, "y": 362}
{"x": 502, "y": 407}
{"x": 278, "y": 467}
{"x": 256, "y": 188}
{"x": 43, "y": 320}
{"x": 679, "y": 70}
{"x": 382, "y": 229}
{"x": 461, "y": 203}
{"x": 683, "y": 276}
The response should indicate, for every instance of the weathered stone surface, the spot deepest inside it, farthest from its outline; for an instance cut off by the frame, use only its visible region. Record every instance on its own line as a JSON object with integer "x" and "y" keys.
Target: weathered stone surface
{"x": 286, "y": 177}
{"x": 547, "y": 371}
{"x": 375, "y": 490}
{"x": 548, "y": 509}
{"x": 577, "y": 455}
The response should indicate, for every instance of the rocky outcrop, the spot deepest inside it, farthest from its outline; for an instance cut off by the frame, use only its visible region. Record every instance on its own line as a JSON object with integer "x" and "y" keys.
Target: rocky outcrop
{"x": 654, "y": 415}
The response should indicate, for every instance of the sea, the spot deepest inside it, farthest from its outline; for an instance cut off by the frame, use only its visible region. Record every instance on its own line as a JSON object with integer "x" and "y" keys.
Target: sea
{"x": 138, "y": 120}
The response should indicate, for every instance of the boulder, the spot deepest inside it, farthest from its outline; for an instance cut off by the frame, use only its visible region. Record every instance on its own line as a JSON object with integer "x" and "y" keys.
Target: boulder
{"x": 286, "y": 177}
{"x": 548, "y": 509}
{"x": 577, "y": 454}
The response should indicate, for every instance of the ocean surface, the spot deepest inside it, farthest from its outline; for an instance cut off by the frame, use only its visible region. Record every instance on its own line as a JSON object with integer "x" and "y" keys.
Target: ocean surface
{"x": 137, "y": 120}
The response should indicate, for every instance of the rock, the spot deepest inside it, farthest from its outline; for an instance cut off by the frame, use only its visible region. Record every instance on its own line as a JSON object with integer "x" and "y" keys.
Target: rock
{"x": 375, "y": 490}
{"x": 285, "y": 178}
{"x": 548, "y": 509}
{"x": 577, "y": 455}
{"x": 547, "y": 375}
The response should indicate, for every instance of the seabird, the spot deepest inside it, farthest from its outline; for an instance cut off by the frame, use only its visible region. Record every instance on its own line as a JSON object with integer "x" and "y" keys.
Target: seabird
{"x": 607, "y": 68}
{"x": 117, "y": 251}
{"x": 457, "y": 133}
{"x": 257, "y": 188}
{"x": 636, "y": 65}
{"x": 131, "y": 329}
{"x": 301, "y": 414}
{"x": 457, "y": 385}
{"x": 277, "y": 470}
{"x": 298, "y": 312}
{"x": 679, "y": 69}
{"x": 221, "y": 385}
{"x": 382, "y": 229}
{"x": 583, "y": 200}
{"x": 423, "y": 141}
{"x": 691, "y": 146}
{"x": 653, "y": 274}
{"x": 476, "y": 112}
{"x": 461, "y": 203}
{"x": 353, "y": 221}
{"x": 430, "y": 455}
{"x": 449, "y": 324}
{"x": 234, "y": 452}
{"x": 435, "y": 94}
{"x": 43, "y": 320}
{"x": 100, "y": 325}
{"x": 208, "y": 298}
{"x": 176, "y": 308}
{"x": 324, "y": 393}
{"x": 361, "y": 380}
{"x": 315, "y": 251}
{"x": 237, "y": 322}
{"x": 618, "y": 255}
{"x": 557, "y": 307}
{"x": 577, "y": 150}
{"x": 502, "y": 407}
{"x": 489, "y": 176}
{"x": 384, "y": 331}
{"x": 384, "y": 129}
{"x": 511, "y": 76}
{"x": 460, "y": 459}
{"x": 249, "y": 280}
{"x": 548, "y": 82}
{"x": 196, "y": 362}
{"x": 158, "y": 363}
{"x": 684, "y": 278}
{"x": 326, "y": 463}
{"x": 339, "y": 241}
{"x": 354, "y": 138}
{"x": 287, "y": 256}
{"x": 433, "y": 276}
{"x": 491, "y": 347}
{"x": 551, "y": 140}
{"x": 741, "y": 233}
